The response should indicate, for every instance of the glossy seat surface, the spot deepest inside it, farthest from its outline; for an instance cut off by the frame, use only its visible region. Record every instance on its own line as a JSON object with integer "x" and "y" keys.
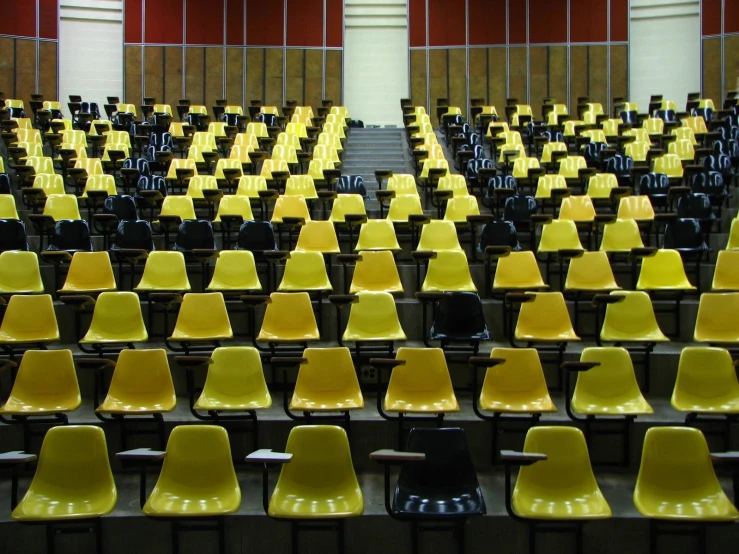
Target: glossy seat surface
{"x": 439, "y": 235}
{"x": 621, "y": 236}
{"x": 459, "y": 207}
{"x": 318, "y": 236}
{"x": 202, "y": 317}
{"x": 235, "y": 381}
{"x": 403, "y": 206}
{"x": 20, "y": 273}
{"x": 29, "y": 318}
{"x": 290, "y": 206}
{"x": 706, "y": 381}
{"x": 235, "y": 271}
{"x": 374, "y": 317}
{"x": 636, "y": 207}
{"x": 448, "y": 271}
{"x": 141, "y": 384}
{"x": 716, "y": 321}
{"x": 590, "y": 272}
{"x": 116, "y": 318}
{"x": 164, "y": 271}
{"x": 346, "y": 204}
{"x": 557, "y": 235}
{"x": 234, "y": 205}
{"x": 518, "y": 271}
{"x": 89, "y": 272}
{"x": 663, "y": 271}
{"x": 376, "y": 271}
{"x": 725, "y": 277}
{"x": 305, "y": 271}
{"x": 611, "y": 387}
{"x": 632, "y": 320}
{"x": 319, "y": 482}
{"x": 377, "y": 234}
{"x": 422, "y": 384}
{"x": 676, "y": 478}
{"x": 197, "y": 478}
{"x": 289, "y": 317}
{"x": 445, "y": 484}
{"x": 545, "y": 319}
{"x": 563, "y": 486}
{"x": 73, "y": 479}
{"x": 327, "y": 381}
{"x": 516, "y": 386}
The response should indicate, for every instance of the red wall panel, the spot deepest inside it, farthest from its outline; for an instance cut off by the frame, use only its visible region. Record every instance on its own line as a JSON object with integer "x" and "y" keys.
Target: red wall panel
{"x": 548, "y": 21}
{"x": 204, "y": 22}
{"x": 264, "y": 22}
{"x": 447, "y": 23}
{"x": 305, "y": 22}
{"x": 731, "y": 16}
{"x": 132, "y": 21}
{"x": 417, "y": 22}
{"x": 589, "y": 21}
{"x": 487, "y": 22}
{"x": 48, "y": 21}
{"x": 164, "y": 21}
{"x": 711, "y": 17}
{"x": 517, "y": 22}
{"x": 18, "y": 18}
{"x": 619, "y": 20}
{"x": 235, "y": 22}
{"x": 335, "y": 23}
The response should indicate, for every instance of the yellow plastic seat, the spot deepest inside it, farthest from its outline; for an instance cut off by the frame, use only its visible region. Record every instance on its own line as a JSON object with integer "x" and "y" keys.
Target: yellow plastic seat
{"x": 89, "y": 272}
{"x": 322, "y": 152}
{"x": 247, "y": 139}
{"x": 217, "y": 129}
{"x": 234, "y": 205}
{"x": 669, "y": 164}
{"x": 683, "y": 149}
{"x": 733, "y": 243}
{"x": 197, "y": 478}
{"x": 141, "y": 384}
{"x": 433, "y": 164}
{"x": 559, "y": 234}
{"x": 41, "y": 165}
{"x": 74, "y": 137}
{"x": 7, "y": 206}
{"x": 590, "y": 272}
{"x": 706, "y": 382}
{"x": 234, "y": 162}
{"x": 609, "y": 389}
{"x": 403, "y": 206}
{"x": 663, "y": 271}
{"x": 235, "y": 271}
{"x": 521, "y": 167}
{"x": 290, "y": 206}
{"x": 289, "y": 317}
{"x": 725, "y": 276}
{"x": 519, "y": 149}
{"x": 164, "y": 272}
{"x": 374, "y": 317}
{"x": 597, "y": 135}
{"x": 716, "y": 321}
{"x": 610, "y": 127}
{"x": 79, "y": 149}
{"x": 334, "y": 141}
{"x": 289, "y": 140}
{"x": 377, "y": 234}
{"x": 240, "y": 154}
{"x": 93, "y": 166}
{"x": 637, "y": 150}
{"x": 621, "y": 236}
{"x": 50, "y": 184}
{"x": 459, "y": 207}
{"x": 180, "y": 206}
{"x": 600, "y": 186}
{"x": 638, "y": 208}
{"x": 327, "y": 382}
{"x": 250, "y": 185}
{"x": 517, "y": 385}
{"x": 454, "y": 183}
{"x": 545, "y": 319}
{"x": 268, "y": 166}
{"x": 549, "y": 147}
{"x": 318, "y": 236}
{"x": 448, "y": 271}
{"x": 518, "y": 271}
{"x": 195, "y": 153}
{"x": 20, "y": 273}
{"x": 346, "y": 204}
{"x": 563, "y": 486}
{"x": 316, "y": 167}
{"x": 163, "y": 109}
{"x": 422, "y": 384}
{"x": 179, "y": 163}
{"x": 334, "y": 129}
{"x": 297, "y": 128}
{"x": 578, "y": 209}
{"x": 439, "y": 236}
{"x": 29, "y": 319}
{"x": 202, "y": 317}
{"x": 301, "y": 185}
{"x": 685, "y": 133}
{"x": 33, "y": 136}
{"x": 305, "y": 271}
{"x": 116, "y": 319}
{"x": 235, "y": 381}
{"x": 641, "y": 134}
{"x": 115, "y": 147}
{"x": 376, "y": 271}
{"x": 402, "y": 183}
{"x": 631, "y": 320}
{"x": 511, "y": 137}
{"x": 547, "y": 183}
{"x": 319, "y": 482}
{"x": 258, "y": 129}
{"x": 199, "y": 110}
{"x": 570, "y": 166}
{"x": 46, "y": 383}
{"x": 197, "y": 184}
{"x": 126, "y": 108}
{"x": 285, "y": 153}
{"x": 62, "y": 206}
{"x": 205, "y": 140}
{"x": 33, "y": 149}
{"x": 696, "y": 124}
{"x": 676, "y": 479}
{"x": 73, "y": 479}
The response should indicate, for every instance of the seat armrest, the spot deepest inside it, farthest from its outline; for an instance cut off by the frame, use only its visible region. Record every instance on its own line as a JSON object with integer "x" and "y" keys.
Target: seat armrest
{"x": 255, "y": 300}
{"x": 293, "y": 221}
{"x": 7, "y": 364}
{"x": 579, "y": 366}
{"x": 385, "y": 362}
{"x": 94, "y": 363}
{"x": 355, "y": 218}
{"x": 480, "y": 218}
{"x": 276, "y": 255}
{"x": 418, "y": 219}
{"x": 570, "y": 252}
{"x": 168, "y": 298}
{"x": 519, "y": 297}
{"x": 389, "y": 456}
{"x": 79, "y": 301}
{"x": 608, "y": 299}
{"x": 482, "y": 361}
{"x": 429, "y": 296}
{"x": 56, "y": 257}
{"x": 605, "y": 218}
{"x": 541, "y": 219}
{"x": 497, "y": 251}
{"x": 341, "y": 300}
{"x": 512, "y": 457}
{"x": 419, "y": 255}
{"x": 141, "y": 455}
{"x": 731, "y": 457}
{"x": 189, "y": 362}
{"x": 17, "y": 457}
{"x": 267, "y": 456}
{"x": 346, "y": 259}
{"x": 645, "y": 252}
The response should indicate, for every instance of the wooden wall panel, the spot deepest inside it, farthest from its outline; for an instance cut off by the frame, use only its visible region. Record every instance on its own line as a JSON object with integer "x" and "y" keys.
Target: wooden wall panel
{"x": 419, "y": 90}
{"x": 518, "y": 76}
{"x": 295, "y": 75}
{"x": 313, "y": 77}
{"x": 305, "y": 23}
{"x": 235, "y": 76}
{"x": 194, "y": 72}
{"x": 558, "y": 73}
{"x": 548, "y": 21}
{"x": 458, "y": 79}
{"x": 172, "y": 75}
{"x": 334, "y": 76}
{"x": 619, "y": 71}
{"x": 25, "y": 68}
{"x": 487, "y": 19}
{"x": 273, "y": 86}
{"x": 417, "y": 22}
{"x": 334, "y": 23}
{"x": 438, "y": 84}
{"x": 47, "y": 75}
{"x": 254, "y": 74}
{"x": 711, "y": 79}
{"x": 578, "y": 75}
{"x": 589, "y": 21}
{"x": 497, "y": 61}
{"x": 214, "y": 72}
{"x": 731, "y": 62}
{"x": 132, "y": 21}
{"x": 7, "y": 66}
{"x": 447, "y": 23}
{"x": 235, "y": 22}
{"x": 539, "y": 80}
{"x": 599, "y": 75}
{"x": 479, "y": 73}
{"x": 154, "y": 72}
{"x": 204, "y": 23}
{"x": 134, "y": 71}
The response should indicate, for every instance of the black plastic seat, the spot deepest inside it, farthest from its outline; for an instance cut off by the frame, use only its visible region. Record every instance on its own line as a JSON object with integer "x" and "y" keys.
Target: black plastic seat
{"x": 719, "y": 162}
{"x": 697, "y": 206}
{"x": 70, "y": 235}
{"x": 139, "y": 164}
{"x": 474, "y": 166}
{"x": 710, "y": 184}
{"x": 459, "y": 318}
{"x": 122, "y": 206}
{"x": 668, "y": 116}
{"x": 195, "y": 234}
{"x": 591, "y": 152}
{"x": 351, "y": 184}
{"x": 629, "y": 117}
{"x": 12, "y": 235}
{"x": 257, "y": 237}
{"x": 499, "y": 233}
{"x": 445, "y": 485}
{"x": 518, "y": 210}
{"x": 133, "y": 235}
{"x": 656, "y": 186}
{"x": 685, "y": 236}
{"x": 4, "y": 184}
{"x": 620, "y": 166}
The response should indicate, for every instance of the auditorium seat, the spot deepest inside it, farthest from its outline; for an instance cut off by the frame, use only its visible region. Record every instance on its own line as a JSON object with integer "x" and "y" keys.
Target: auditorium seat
{"x": 7, "y": 207}
{"x": 116, "y": 322}
{"x": 202, "y": 320}
{"x": 620, "y": 237}
{"x": 716, "y": 323}
{"x": 164, "y": 272}
{"x": 374, "y": 271}
{"x": 89, "y": 273}
{"x": 305, "y": 271}
{"x": 457, "y": 321}
{"x": 663, "y": 271}
{"x": 20, "y": 273}
{"x": 372, "y": 321}
{"x": 517, "y": 271}
{"x": 288, "y": 320}
{"x": 377, "y": 234}
{"x": 725, "y": 275}
{"x": 448, "y": 270}
{"x": 459, "y": 208}
{"x": 13, "y": 235}
{"x": 438, "y": 235}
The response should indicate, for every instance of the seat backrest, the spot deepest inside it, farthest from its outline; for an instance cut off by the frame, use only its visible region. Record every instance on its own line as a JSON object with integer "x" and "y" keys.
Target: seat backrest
{"x": 194, "y": 234}
{"x": 133, "y": 234}
{"x": 165, "y": 271}
{"x": 684, "y": 234}
{"x": 257, "y": 236}
{"x": 460, "y": 316}
{"x": 499, "y": 233}
{"x": 71, "y": 235}
{"x": 12, "y": 235}
{"x": 19, "y": 272}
